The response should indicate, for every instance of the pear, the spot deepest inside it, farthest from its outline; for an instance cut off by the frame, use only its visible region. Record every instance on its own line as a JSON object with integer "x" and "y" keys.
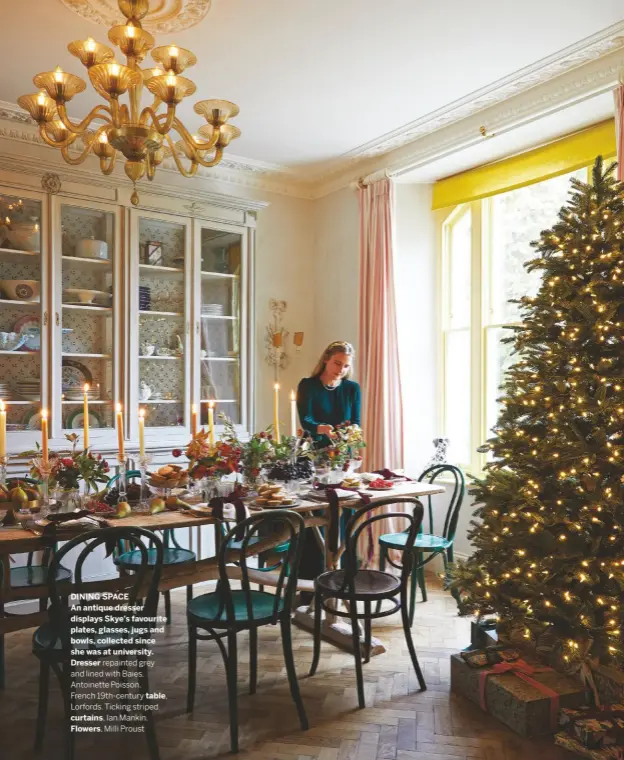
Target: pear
{"x": 19, "y": 496}
{"x": 4, "y": 494}
{"x": 157, "y": 505}
{"x": 123, "y": 509}
{"x": 32, "y": 493}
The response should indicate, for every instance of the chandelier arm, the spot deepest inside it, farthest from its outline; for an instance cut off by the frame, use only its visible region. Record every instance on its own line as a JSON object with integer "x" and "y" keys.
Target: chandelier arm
{"x": 151, "y": 169}
{"x": 79, "y": 129}
{"x": 79, "y": 159}
{"x": 178, "y": 163}
{"x": 107, "y": 169}
{"x": 53, "y": 143}
{"x": 190, "y": 140}
{"x": 218, "y": 156}
{"x": 169, "y": 117}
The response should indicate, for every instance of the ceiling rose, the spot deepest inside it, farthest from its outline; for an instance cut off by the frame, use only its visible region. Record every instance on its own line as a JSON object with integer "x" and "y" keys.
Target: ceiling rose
{"x": 164, "y": 16}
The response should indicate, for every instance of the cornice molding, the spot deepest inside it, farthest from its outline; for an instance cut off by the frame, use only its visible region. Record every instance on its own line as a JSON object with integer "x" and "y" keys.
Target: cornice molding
{"x": 575, "y": 74}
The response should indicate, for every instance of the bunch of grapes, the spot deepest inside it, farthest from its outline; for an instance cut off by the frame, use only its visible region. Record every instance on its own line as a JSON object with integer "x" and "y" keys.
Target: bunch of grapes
{"x": 133, "y": 493}
{"x": 302, "y": 469}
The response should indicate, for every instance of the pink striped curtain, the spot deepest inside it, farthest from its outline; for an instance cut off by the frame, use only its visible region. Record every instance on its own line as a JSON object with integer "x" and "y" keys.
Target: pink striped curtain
{"x": 378, "y": 342}
{"x": 618, "y": 97}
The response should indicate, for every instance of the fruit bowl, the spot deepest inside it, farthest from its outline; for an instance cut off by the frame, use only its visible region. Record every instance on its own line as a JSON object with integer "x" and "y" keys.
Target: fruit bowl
{"x": 169, "y": 476}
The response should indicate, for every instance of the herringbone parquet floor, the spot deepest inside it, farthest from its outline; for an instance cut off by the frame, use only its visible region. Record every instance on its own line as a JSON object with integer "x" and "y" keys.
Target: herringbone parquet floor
{"x": 399, "y": 724}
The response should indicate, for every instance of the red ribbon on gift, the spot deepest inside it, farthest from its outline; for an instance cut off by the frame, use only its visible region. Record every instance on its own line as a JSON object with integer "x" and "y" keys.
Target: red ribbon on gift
{"x": 523, "y": 670}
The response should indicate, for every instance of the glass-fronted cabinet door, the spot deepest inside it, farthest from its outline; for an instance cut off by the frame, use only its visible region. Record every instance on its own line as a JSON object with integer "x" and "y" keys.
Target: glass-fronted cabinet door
{"x": 86, "y": 329}
{"x": 160, "y": 307}
{"x": 24, "y": 315}
{"x": 221, "y": 296}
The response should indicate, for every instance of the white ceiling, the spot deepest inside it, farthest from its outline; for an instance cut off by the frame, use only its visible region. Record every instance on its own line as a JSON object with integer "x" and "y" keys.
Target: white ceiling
{"x": 318, "y": 78}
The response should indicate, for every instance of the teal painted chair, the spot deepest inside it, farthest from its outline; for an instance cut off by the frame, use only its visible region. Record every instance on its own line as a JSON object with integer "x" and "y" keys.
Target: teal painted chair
{"x": 174, "y": 554}
{"x": 224, "y": 613}
{"x": 30, "y": 576}
{"x": 431, "y": 543}
{"x": 52, "y": 642}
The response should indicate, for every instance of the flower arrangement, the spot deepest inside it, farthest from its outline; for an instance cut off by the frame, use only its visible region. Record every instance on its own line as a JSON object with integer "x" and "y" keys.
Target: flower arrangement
{"x": 346, "y": 443}
{"x": 211, "y": 461}
{"x": 70, "y": 468}
{"x": 255, "y": 453}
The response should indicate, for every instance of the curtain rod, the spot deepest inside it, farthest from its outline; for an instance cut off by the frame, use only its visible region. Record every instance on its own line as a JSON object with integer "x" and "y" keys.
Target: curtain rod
{"x": 369, "y": 179}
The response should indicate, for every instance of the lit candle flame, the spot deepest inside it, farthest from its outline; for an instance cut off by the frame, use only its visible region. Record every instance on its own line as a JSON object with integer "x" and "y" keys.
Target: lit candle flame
{"x": 58, "y": 74}
{"x": 44, "y": 414}
{"x": 276, "y": 387}
{"x": 86, "y": 387}
{"x": 90, "y": 45}
{"x": 41, "y": 99}
{"x": 114, "y": 69}
{"x": 142, "y": 414}
{"x": 173, "y": 52}
{"x": 211, "y": 404}
{"x": 2, "y": 406}
{"x": 293, "y": 396}
{"x": 119, "y": 407}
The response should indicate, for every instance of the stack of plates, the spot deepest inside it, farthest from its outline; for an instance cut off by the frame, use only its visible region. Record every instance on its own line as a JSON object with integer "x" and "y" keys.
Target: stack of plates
{"x": 145, "y": 298}
{"x": 77, "y": 394}
{"x": 212, "y": 310}
{"x": 5, "y": 392}
{"x": 29, "y": 389}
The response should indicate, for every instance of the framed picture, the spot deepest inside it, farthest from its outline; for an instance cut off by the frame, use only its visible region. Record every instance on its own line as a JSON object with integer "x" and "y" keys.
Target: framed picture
{"x": 154, "y": 253}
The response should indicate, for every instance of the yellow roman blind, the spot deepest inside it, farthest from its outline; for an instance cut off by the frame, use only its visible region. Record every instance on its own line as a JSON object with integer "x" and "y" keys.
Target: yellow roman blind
{"x": 559, "y": 157}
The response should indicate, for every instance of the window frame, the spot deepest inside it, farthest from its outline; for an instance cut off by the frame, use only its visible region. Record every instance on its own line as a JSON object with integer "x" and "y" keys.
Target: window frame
{"x": 481, "y": 309}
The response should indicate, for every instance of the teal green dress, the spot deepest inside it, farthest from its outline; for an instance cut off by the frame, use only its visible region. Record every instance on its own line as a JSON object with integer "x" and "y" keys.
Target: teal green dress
{"x": 319, "y": 406}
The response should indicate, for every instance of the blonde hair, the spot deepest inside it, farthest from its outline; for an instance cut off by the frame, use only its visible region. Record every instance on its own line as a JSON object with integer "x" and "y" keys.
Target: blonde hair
{"x": 337, "y": 347}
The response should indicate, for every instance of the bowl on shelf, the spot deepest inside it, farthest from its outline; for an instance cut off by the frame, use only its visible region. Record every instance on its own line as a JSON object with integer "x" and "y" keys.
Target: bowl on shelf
{"x": 78, "y": 295}
{"x": 20, "y": 290}
{"x": 12, "y": 341}
{"x": 23, "y": 236}
{"x": 92, "y": 249}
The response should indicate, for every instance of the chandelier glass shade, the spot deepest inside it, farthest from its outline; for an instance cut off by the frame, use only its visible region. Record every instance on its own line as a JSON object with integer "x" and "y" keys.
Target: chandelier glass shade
{"x": 144, "y": 136}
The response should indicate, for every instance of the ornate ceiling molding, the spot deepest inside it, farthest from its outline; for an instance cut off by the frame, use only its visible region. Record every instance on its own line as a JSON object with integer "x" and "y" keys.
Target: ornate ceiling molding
{"x": 575, "y": 74}
{"x": 165, "y": 16}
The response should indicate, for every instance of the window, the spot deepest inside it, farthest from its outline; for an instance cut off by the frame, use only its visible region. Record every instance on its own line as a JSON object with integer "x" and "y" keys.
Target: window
{"x": 485, "y": 245}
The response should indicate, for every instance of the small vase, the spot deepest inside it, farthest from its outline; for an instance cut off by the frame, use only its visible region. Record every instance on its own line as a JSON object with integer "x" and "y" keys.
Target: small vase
{"x": 68, "y": 499}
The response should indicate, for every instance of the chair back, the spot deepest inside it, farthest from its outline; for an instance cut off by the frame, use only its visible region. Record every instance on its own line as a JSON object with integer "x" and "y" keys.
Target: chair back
{"x": 289, "y": 526}
{"x": 363, "y": 517}
{"x": 142, "y": 591}
{"x": 456, "y": 476}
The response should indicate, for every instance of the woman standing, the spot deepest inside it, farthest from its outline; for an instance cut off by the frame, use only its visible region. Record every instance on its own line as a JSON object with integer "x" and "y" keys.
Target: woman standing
{"x": 328, "y": 398}
{"x": 325, "y": 399}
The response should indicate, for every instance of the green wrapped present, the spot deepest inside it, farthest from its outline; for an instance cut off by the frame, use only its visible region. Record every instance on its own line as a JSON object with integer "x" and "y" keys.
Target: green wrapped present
{"x": 523, "y": 695}
{"x": 574, "y": 745}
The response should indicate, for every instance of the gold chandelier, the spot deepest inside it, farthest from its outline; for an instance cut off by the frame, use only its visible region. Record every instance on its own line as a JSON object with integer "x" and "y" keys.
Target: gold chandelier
{"x": 139, "y": 134}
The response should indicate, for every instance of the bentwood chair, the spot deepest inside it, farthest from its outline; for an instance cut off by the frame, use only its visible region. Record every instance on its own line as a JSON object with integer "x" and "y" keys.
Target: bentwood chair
{"x": 52, "y": 642}
{"x": 429, "y": 543}
{"x": 174, "y": 554}
{"x": 353, "y": 585}
{"x": 226, "y": 612}
{"x": 29, "y": 576}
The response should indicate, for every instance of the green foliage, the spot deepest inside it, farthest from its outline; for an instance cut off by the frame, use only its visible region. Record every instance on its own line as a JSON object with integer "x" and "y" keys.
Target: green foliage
{"x": 549, "y": 534}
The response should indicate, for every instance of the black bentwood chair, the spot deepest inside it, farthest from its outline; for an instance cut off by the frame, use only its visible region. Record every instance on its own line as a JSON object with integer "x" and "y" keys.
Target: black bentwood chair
{"x": 52, "y": 643}
{"x": 352, "y": 585}
{"x": 226, "y": 611}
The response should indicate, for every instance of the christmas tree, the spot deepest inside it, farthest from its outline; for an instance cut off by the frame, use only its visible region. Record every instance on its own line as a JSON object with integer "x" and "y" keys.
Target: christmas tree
{"x": 549, "y": 534}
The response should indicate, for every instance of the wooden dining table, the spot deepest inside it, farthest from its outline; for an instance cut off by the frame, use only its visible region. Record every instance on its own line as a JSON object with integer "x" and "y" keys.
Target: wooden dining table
{"x": 317, "y": 515}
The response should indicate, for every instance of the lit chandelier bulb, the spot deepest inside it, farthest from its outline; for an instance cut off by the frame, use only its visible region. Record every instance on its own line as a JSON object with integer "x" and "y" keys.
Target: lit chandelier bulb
{"x": 41, "y": 99}
{"x": 115, "y": 69}
{"x": 103, "y": 138}
{"x": 90, "y": 46}
{"x": 173, "y": 51}
{"x": 58, "y": 75}
{"x": 131, "y": 31}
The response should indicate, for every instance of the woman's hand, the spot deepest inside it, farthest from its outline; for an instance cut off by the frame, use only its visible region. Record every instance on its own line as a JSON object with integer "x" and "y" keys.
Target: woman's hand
{"x": 324, "y": 429}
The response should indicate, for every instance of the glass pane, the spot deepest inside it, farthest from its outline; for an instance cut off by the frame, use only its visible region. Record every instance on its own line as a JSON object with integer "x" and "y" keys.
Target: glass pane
{"x": 460, "y": 262}
{"x": 88, "y": 248}
{"x": 20, "y": 310}
{"x": 220, "y": 322}
{"x": 518, "y": 218}
{"x": 162, "y": 381}
{"x": 457, "y": 395}
{"x": 499, "y": 358}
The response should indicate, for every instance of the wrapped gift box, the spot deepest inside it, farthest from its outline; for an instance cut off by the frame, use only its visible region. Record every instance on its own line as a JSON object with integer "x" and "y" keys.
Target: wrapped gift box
{"x": 528, "y": 702}
{"x": 573, "y": 745}
{"x": 595, "y": 727}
